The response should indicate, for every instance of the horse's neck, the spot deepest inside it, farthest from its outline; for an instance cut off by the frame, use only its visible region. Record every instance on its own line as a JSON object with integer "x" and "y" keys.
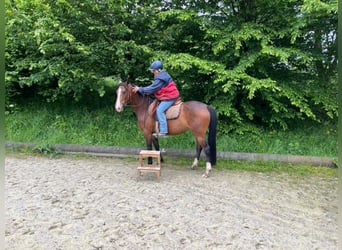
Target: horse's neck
{"x": 140, "y": 103}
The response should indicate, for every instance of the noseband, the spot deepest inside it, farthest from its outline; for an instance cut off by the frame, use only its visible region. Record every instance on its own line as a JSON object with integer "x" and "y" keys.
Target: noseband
{"x": 129, "y": 97}
{"x": 128, "y": 93}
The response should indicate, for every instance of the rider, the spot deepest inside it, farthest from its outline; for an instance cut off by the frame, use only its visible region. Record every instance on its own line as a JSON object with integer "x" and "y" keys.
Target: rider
{"x": 165, "y": 90}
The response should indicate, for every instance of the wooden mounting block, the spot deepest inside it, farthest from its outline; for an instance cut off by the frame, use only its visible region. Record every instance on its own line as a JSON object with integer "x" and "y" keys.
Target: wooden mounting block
{"x": 149, "y": 168}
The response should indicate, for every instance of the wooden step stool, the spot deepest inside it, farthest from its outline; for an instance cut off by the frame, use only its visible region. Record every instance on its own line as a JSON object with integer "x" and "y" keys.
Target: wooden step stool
{"x": 149, "y": 168}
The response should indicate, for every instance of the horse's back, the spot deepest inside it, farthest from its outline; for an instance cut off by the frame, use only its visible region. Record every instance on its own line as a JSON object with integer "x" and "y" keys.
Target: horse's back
{"x": 194, "y": 116}
{"x": 195, "y": 106}
{"x": 196, "y": 113}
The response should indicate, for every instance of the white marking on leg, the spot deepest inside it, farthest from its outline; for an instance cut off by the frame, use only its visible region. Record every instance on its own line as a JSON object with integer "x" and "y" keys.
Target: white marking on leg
{"x": 118, "y": 105}
{"x": 194, "y": 164}
{"x": 207, "y": 170}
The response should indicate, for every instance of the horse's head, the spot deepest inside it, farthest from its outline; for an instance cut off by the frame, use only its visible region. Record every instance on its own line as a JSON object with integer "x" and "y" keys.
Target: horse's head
{"x": 123, "y": 96}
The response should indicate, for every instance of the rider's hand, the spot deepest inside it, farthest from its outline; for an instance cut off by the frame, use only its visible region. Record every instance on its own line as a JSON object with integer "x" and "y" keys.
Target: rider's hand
{"x": 135, "y": 89}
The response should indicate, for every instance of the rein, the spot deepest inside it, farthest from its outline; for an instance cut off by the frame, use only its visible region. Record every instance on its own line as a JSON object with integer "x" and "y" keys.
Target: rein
{"x": 130, "y": 99}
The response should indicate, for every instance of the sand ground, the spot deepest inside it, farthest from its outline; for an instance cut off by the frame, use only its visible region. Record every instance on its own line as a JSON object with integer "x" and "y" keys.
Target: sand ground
{"x": 99, "y": 203}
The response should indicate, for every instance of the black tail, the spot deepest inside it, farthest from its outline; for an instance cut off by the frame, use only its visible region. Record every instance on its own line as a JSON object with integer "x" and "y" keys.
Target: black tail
{"x": 212, "y": 135}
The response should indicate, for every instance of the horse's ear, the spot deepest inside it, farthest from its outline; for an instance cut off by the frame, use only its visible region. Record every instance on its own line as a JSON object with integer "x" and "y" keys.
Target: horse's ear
{"x": 129, "y": 82}
{"x": 121, "y": 83}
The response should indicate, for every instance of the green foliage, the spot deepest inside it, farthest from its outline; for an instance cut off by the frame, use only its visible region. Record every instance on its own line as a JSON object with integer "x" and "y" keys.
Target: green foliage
{"x": 46, "y": 150}
{"x": 259, "y": 63}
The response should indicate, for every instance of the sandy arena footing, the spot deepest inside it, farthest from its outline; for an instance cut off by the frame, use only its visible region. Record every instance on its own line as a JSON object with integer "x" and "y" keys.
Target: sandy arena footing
{"x": 99, "y": 203}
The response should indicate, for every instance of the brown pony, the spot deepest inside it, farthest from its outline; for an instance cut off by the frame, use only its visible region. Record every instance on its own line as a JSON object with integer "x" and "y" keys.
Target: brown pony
{"x": 194, "y": 116}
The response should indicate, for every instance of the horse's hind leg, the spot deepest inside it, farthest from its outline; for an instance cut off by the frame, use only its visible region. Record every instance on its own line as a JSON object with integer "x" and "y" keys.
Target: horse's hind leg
{"x": 208, "y": 161}
{"x": 198, "y": 154}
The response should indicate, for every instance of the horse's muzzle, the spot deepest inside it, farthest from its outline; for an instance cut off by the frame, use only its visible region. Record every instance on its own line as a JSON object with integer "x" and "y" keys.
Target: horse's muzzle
{"x": 119, "y": 109}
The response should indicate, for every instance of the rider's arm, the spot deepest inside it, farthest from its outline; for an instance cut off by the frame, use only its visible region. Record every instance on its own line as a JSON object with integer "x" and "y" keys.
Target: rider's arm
{"x": 151, "y": 89}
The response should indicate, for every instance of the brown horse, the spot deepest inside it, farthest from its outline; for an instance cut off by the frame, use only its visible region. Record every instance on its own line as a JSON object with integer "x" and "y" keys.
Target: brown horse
{"x": 194, "y": 116}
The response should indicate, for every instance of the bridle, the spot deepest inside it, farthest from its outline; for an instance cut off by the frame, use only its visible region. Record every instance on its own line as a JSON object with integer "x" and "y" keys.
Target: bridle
{"x": 129, "y": 97}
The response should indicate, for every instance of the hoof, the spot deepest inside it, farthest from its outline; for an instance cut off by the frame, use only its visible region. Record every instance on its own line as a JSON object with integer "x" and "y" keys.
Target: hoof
{"x": 194, "y": 164}
{"x": 205, "y": 175}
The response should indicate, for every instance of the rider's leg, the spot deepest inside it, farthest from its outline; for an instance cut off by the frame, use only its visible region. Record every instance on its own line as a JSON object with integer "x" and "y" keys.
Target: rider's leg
{"x": 162, "y": 108}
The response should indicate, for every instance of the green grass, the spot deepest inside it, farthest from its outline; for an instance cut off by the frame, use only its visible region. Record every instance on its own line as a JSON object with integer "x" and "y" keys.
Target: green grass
{"x": 101, "y": 125}
{"x": 300, "y": 171}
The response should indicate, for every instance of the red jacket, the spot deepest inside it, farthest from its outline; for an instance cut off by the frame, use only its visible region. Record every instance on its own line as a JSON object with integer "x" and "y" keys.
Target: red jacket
{"x": 169, "y": 92}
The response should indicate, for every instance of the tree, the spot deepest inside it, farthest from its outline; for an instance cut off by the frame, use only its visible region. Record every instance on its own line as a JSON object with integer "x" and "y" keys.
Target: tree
{"x": 258, "y": 62}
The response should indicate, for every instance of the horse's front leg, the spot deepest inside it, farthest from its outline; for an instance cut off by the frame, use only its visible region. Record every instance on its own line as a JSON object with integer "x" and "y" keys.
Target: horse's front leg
{"x": 149, "y": 147}
{"x": 155, "y": 142}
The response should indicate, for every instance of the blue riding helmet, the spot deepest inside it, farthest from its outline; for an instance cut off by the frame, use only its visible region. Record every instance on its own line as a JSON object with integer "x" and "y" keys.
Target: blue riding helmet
{"x": 156, "y": 65}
